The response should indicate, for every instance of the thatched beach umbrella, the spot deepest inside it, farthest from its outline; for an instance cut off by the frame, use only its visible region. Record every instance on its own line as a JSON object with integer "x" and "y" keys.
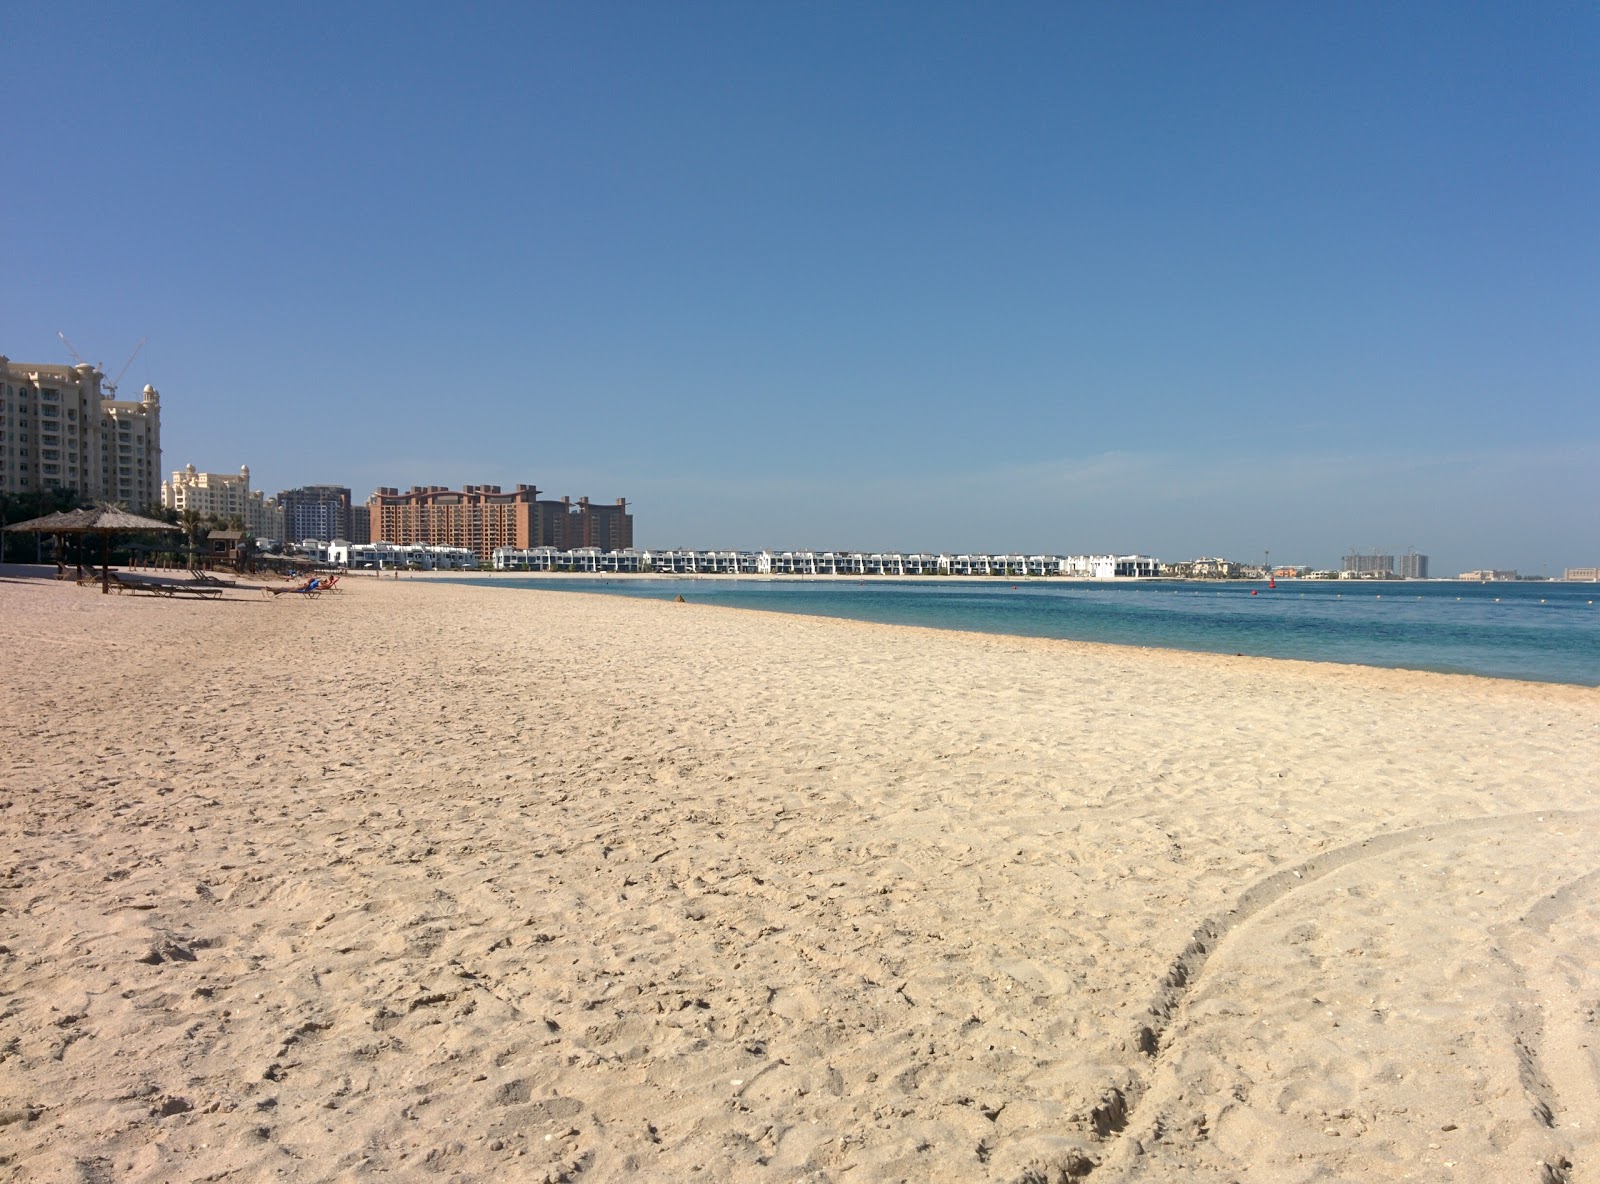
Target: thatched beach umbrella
{"x": 102, "y": 521}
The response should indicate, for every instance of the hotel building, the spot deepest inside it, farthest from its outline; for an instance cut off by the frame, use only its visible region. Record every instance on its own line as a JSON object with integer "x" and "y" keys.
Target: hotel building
{"x": 482, "y": 518}
{"x": 58, "y": 428}
{"x": 226, "y": 496}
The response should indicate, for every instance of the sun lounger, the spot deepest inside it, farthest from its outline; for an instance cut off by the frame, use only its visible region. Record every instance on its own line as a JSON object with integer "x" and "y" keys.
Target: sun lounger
{"x": 155, "y": 586}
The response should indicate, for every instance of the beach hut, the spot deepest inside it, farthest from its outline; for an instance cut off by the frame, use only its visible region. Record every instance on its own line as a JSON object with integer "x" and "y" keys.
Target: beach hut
{"x": 227, "y": 547}
{"x": 102, "y": 520}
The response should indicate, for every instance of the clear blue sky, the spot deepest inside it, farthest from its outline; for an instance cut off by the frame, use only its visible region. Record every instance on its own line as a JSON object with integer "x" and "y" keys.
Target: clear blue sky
{"x": 1175, "y": 278}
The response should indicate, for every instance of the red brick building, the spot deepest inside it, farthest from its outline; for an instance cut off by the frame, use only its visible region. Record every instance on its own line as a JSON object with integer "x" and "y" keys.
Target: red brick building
{"x": 483, "y": 517}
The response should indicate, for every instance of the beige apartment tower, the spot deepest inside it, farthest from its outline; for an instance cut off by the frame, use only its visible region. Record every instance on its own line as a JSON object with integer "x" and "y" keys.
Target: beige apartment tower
{"x": 59, "y": 429}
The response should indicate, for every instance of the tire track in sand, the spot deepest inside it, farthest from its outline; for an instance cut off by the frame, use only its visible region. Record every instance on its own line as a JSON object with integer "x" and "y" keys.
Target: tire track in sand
{"x": 1119, "y": 1103}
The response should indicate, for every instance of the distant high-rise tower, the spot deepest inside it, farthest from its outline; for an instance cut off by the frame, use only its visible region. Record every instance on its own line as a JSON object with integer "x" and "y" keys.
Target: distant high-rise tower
{"x": 483, "y": 517}
{"x": 318, "y": 512}
{"x": 477, "y": 517}
{"x": 565, "y": 526}
{"x": 1413, "y": 566}
{"x": 1370, "y": 565}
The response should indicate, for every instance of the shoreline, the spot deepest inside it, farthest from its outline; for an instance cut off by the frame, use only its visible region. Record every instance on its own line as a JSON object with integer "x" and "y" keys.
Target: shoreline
{"x": 1545, "y": 676}
{"x": 430, "y": 879}
{"x": 46, "y": 573}
{"x": 932, "y": 579}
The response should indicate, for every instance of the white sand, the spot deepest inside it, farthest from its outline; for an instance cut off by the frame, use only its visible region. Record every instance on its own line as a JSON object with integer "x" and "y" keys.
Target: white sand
{"x": 481, "y": 884}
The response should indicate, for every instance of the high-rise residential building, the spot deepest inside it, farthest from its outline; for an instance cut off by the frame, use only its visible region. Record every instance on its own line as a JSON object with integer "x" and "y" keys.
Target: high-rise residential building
{"x": 226, "y": 496}
{"x": 1413, "y": 566}
{"x": 566, "y": 526}
{"x": 483, "y": 517}
{"x": 476, "y": 517}
{"x": 317, "y": 512}
{"x": 59, "y": 428}
{"x": 1369, "y": 565}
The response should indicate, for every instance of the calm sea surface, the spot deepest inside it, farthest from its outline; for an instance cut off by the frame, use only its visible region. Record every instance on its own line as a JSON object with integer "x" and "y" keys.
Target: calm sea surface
{"x": 1544, "y": 632}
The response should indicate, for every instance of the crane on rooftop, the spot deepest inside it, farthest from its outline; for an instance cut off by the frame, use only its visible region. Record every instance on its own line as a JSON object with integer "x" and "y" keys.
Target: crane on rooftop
{"x": 110, "y": 388}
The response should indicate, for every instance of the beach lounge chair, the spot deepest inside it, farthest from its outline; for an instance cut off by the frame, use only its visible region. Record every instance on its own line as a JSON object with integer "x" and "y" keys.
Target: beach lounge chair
{"x": 156, "y": 586}
{"x": 310, "y": 588}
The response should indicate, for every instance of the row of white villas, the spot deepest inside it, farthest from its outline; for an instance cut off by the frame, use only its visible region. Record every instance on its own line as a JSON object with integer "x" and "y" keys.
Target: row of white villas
{"x": 425, "y": 557}
{"x": 413, "y": 556}
{"x": 822, "y": 563}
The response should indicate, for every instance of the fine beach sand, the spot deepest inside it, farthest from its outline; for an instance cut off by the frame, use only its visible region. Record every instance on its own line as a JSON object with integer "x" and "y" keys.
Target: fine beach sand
{"x": 455, "y": 883}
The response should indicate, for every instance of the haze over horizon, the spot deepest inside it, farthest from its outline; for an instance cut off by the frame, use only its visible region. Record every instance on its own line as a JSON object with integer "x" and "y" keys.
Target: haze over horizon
{"x": 1177, "y": 280}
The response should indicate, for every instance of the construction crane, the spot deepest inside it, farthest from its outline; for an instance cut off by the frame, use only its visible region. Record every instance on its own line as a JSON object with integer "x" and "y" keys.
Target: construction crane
{"x": 76, "y": 356}
{"x": 111, "y": 387}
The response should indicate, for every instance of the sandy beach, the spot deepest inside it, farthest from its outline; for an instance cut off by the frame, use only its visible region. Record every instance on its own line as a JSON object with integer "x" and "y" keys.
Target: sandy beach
{"x": 457, "y": 883}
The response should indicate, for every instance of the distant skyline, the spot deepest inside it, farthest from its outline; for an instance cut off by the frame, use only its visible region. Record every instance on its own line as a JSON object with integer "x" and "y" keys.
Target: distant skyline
{"x": 1161, "y": 278}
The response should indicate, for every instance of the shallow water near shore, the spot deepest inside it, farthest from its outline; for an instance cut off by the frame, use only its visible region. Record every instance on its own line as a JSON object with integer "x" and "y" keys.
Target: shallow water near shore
{"x": 1541, "y": 632}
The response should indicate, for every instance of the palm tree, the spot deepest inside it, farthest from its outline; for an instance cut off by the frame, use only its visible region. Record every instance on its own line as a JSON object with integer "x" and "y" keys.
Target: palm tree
{"x": 190, "y": 520}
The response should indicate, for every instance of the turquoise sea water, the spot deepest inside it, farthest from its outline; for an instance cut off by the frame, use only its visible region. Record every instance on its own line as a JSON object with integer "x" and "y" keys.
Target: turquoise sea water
{"x": 1544, "y": 632}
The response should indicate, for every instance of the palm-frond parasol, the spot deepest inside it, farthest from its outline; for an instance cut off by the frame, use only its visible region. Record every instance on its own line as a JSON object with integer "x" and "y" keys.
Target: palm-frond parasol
{"x": 101, "y": 520}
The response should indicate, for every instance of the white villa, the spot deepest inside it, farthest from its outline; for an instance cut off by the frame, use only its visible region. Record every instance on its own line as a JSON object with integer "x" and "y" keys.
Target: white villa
{"x": 413, "y": 556}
